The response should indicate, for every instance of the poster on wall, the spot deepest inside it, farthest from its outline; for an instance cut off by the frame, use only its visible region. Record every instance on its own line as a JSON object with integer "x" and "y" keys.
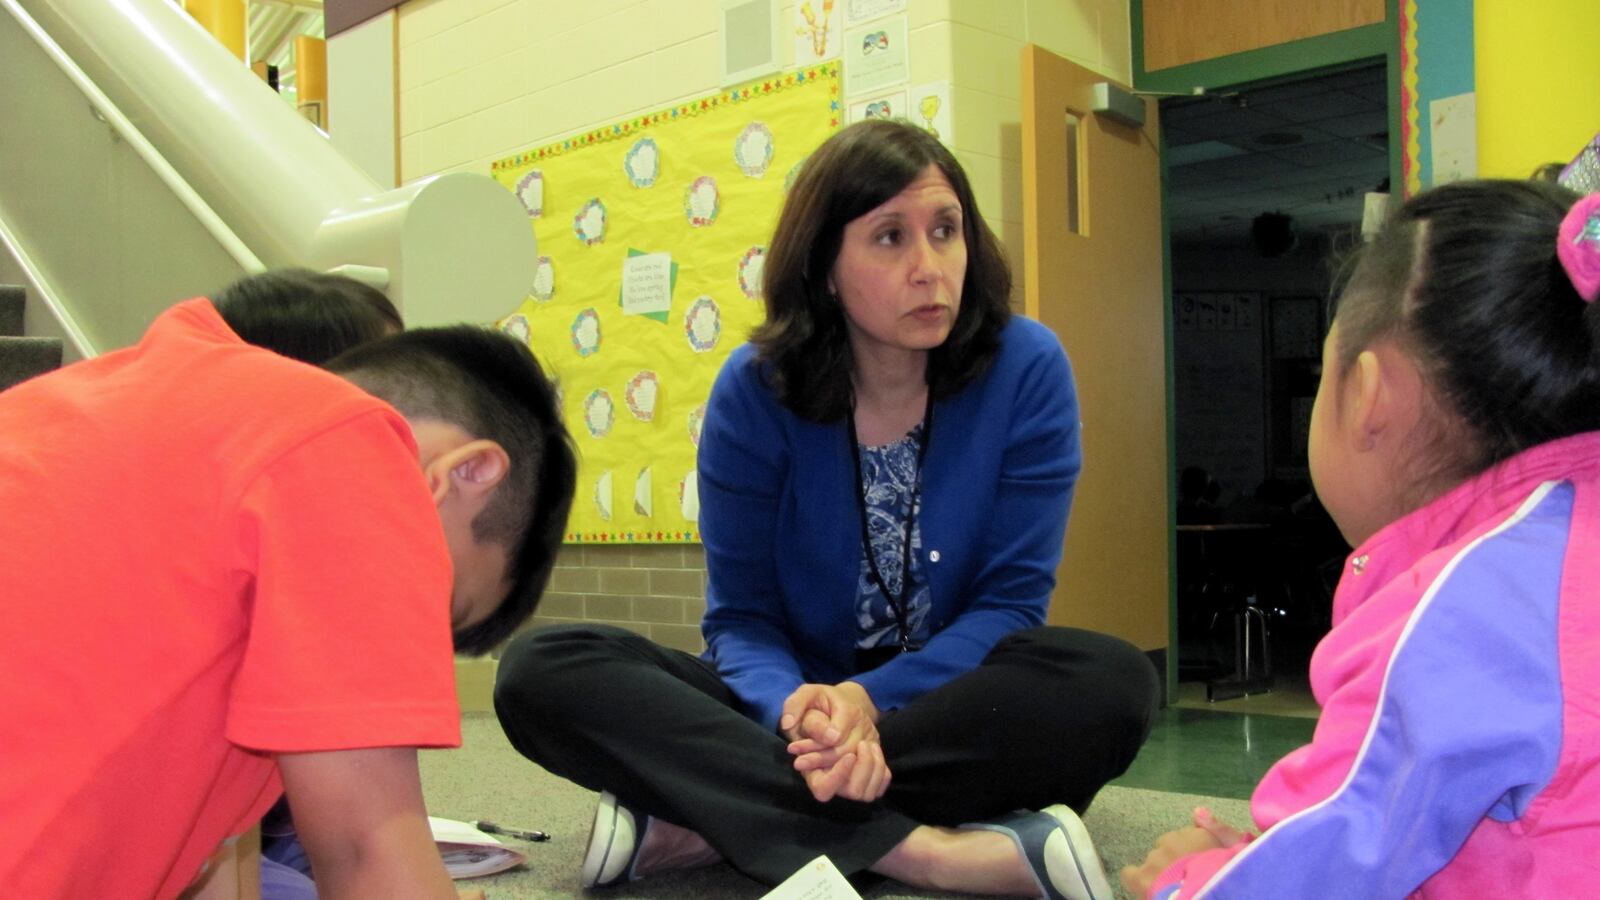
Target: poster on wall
{"x": 658, "y": 226}
{"x": 930, "y": 107}
{"x": 1454, "y": 125}
{"x": 818, "y": 32}
{"x": 859, "y": 11}
{"x": 876, "y": 57}
{"x": 884, "y": 106}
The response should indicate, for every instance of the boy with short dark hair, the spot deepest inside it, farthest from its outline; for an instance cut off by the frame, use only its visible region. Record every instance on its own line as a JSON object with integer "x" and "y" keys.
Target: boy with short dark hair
{"x": 221, "y": 568}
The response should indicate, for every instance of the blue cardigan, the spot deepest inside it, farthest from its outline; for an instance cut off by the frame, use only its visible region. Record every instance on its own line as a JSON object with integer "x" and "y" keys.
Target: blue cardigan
{"x": 783, "y": 536}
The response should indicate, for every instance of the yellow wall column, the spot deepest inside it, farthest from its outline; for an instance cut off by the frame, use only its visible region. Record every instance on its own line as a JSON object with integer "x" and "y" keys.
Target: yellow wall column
{"x": 223, "y": 18}
{"x": 311, "y": 79}
{"x": 1537, "y": 72}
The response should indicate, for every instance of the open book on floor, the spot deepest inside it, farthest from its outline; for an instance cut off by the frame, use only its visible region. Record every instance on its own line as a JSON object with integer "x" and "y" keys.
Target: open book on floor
{"x": 470, "y": 852}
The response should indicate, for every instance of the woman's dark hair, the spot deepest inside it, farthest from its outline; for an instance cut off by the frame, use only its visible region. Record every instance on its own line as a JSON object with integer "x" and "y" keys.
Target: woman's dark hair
{"x": 804, "y": 342}
{"x": 1466, "y": 278}
{"x": 306, "y": 315}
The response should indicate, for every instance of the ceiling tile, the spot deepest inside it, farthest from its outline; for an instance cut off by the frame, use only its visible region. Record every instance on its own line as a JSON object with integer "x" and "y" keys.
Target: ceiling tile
{"x": 1328, "y": 152}
{"x": 1328, "y": 105}
{"x": 1253, "y": 166}
{"x": 1217, "y": 119}
{"x": 1359, "y": 125}
{"x": 1188, "y": 154}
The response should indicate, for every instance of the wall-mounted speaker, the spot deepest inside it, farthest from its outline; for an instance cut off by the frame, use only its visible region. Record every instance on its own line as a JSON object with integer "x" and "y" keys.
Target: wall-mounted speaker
{"x": 751, "y": 43}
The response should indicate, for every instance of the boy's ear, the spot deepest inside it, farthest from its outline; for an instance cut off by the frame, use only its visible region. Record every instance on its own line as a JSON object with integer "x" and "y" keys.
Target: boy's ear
{"x": 472, "y": 469}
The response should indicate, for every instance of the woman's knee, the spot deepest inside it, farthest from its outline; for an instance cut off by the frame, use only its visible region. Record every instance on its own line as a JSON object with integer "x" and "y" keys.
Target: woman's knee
{"x": 1115, "y": 677}
{"x": 537, "y": 666}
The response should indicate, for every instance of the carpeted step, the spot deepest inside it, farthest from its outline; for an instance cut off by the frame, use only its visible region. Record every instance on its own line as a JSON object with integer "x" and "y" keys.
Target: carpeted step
{"x": 22, "y": 358}
{"x": 12, "y": 299}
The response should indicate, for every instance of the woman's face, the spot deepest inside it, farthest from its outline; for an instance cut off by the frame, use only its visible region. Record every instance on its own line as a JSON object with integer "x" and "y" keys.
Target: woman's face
{"x": 900, "y": 269}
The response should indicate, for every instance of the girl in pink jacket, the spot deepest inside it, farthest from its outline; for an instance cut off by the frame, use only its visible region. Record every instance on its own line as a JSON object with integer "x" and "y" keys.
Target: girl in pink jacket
{"x": 1456, "y": 442}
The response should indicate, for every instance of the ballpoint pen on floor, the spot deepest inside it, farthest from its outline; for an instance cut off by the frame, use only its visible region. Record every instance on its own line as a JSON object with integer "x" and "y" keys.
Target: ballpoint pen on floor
{"x": 520, "y": 834}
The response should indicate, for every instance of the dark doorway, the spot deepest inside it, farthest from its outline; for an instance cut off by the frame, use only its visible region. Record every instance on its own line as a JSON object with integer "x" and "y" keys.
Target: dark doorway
{"x": 1266, "y": 188}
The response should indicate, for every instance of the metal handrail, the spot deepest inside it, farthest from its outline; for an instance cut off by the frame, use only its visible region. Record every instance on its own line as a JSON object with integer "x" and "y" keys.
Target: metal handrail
{"x": 46, "y": 293}
{"x": 111, "y": 115}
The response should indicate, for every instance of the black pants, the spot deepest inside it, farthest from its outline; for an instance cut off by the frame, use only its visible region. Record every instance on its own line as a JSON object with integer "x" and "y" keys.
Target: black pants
{"x": 1050, "y": 716}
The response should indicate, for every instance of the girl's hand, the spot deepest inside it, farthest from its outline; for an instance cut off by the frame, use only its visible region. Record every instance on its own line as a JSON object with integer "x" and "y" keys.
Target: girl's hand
{"x": 1225, "y": 834}
{"x": 1171, "y": 846}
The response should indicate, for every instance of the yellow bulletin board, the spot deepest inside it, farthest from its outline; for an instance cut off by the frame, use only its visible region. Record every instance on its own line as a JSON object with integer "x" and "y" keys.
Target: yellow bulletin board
{"x": 651, "y": 235}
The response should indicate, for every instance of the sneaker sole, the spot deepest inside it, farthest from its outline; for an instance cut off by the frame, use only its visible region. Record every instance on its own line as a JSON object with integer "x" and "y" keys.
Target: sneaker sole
{"x": 1090, "y": 874}
{"x": 595, "y": 857}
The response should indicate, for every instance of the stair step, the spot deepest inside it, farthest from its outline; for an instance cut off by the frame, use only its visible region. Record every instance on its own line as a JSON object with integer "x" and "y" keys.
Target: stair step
{"x": 12, "y": 299}
{"x": 22, "y": 358}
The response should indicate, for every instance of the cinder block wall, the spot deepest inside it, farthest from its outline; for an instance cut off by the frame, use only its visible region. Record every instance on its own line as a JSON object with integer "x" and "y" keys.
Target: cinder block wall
{"x": 657, "y": 590}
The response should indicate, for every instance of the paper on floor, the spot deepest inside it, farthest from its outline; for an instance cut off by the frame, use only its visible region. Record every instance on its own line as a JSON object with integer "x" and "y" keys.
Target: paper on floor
{"x": 816, "y": 880}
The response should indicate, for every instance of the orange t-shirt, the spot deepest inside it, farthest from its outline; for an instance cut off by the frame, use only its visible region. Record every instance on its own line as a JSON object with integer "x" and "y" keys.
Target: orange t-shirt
{"x": 208, "y": 554}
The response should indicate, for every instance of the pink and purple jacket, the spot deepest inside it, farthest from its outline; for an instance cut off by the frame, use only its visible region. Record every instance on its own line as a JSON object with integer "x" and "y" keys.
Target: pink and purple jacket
{"x": 1458, "y": 752}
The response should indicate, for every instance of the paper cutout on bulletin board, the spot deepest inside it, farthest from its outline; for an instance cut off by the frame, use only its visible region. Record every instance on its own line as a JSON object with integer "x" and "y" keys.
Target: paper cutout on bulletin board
{"x": 590, "y": 222}
{"x": 753, "y": 149}
{"x": 633, "y": 391}
{"x": 689, "y": 497}
{"x": 751, "y": 266}
{"x": 516, "y": 325}
{"x": 702, "y": 201}
{"x": 647, "y": 283}
{"x": 530, "y": 190}
{"x": 586, "y": 333}
{"x": 702, "y": 324}
{"x": 643, "y": 163}
{"x": 643, "y": 389}
{"x": 544, "y": 280}
{"x": 644, "y": 494}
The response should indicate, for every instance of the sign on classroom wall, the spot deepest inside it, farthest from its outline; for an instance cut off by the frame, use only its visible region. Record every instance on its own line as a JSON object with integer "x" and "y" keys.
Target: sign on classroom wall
{"x": 651, "y": 235}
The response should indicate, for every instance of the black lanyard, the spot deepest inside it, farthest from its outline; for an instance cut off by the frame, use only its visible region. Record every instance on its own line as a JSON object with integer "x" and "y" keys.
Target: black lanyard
{"x": 899, "y": 605}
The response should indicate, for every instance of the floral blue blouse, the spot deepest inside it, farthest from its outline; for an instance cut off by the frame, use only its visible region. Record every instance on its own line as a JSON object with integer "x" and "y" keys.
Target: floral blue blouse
{"x": 888, "y": 482}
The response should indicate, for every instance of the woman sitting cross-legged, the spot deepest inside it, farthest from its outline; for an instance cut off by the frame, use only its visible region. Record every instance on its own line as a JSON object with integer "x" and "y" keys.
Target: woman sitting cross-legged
{"x": 885, "y": 473}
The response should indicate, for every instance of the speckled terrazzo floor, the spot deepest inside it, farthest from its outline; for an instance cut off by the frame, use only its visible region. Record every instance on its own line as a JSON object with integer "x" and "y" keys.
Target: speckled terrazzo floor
{"x": 486, "y": 779}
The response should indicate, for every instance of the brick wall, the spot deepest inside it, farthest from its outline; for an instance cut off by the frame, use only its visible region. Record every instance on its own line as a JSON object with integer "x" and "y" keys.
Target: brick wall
{"x": 657, "y": 590}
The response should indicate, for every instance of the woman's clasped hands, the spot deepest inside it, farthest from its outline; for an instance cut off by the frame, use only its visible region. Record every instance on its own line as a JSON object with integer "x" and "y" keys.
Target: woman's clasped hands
{"x": 833, "y": 737}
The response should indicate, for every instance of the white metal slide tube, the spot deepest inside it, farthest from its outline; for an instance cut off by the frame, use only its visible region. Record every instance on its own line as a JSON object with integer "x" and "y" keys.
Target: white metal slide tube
{"x": 456, "y": 248}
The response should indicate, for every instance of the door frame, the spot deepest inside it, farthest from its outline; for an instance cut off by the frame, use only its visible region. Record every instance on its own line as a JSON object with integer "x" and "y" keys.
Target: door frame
{"x": 1281, "y": 61}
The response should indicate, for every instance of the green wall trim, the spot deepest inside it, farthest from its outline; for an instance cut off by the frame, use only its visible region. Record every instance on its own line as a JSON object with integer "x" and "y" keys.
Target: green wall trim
{"x": 1267, "y": 62}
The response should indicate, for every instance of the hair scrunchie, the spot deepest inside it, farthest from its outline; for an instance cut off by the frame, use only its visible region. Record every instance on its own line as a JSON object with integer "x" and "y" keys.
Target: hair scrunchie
{"x": 1578, "y": 246}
